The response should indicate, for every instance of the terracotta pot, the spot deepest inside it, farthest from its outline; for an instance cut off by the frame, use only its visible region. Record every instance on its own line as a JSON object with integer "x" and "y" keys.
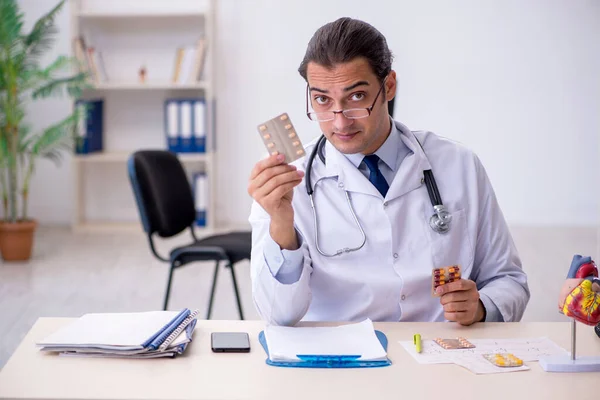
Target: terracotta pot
{"x": 16, "y": 240}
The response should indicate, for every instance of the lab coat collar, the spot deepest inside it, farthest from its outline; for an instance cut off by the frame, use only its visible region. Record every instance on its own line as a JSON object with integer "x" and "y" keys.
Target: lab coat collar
{"x": 388, "y": 152}
{"x": 410, "y": 173}
{"x": 408, "y": 177}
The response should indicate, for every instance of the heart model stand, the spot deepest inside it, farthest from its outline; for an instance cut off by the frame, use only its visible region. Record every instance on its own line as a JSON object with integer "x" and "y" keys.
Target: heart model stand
{"x": 570, "y": 362}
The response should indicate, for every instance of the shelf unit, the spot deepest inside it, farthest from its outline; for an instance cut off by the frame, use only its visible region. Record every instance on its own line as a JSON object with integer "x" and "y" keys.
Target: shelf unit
{"x": 131, "y": 34}
{"x": 150, "y": 86}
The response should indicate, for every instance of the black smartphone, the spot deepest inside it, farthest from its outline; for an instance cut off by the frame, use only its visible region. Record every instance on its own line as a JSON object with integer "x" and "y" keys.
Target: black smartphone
{"x": 230, "y": 342}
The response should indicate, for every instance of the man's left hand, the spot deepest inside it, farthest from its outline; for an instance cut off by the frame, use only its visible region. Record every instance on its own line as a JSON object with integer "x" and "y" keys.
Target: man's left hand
{"x": 461, "y": 302}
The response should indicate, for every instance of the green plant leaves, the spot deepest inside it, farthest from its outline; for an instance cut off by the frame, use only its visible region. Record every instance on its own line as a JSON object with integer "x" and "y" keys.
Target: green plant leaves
{"x": 23, "y": 79}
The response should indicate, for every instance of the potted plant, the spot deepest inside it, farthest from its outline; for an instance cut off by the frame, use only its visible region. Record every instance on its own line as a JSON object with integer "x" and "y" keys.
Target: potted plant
{"x": 23, "y": 79}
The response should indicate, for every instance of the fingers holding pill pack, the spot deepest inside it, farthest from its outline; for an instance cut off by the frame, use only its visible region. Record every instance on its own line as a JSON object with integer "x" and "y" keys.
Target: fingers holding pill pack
{"x": 443, "y": 276}
{"x": 280, "y": 137}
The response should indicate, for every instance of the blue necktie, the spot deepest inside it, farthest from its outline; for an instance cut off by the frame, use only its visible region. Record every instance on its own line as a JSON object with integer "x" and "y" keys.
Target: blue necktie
{"x": 375, "y": 176}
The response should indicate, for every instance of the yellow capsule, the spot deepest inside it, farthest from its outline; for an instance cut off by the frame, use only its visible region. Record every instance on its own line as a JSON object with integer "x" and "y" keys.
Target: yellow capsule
{"x": 263, "y": 128}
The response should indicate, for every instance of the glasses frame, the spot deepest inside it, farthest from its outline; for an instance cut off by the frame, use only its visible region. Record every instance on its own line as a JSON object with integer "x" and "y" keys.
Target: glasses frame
{"x": 343, "y": 112}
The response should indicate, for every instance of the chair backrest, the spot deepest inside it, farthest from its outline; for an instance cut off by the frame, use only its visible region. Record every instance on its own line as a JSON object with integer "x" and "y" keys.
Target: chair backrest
{"x": 162, "y": 192}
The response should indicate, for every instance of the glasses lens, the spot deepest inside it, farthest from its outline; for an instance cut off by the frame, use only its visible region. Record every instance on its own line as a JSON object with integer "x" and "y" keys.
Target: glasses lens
{"x": 323, "y": 116}
{"x": 356, "y": 113}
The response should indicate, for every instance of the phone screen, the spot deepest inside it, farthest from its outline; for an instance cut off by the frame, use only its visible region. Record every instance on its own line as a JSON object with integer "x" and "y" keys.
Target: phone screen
{"x": 232, "y": 342}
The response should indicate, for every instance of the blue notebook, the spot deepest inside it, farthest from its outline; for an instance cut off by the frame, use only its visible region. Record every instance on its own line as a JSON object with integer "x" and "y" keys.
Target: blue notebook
{"x": 330, "y": 361}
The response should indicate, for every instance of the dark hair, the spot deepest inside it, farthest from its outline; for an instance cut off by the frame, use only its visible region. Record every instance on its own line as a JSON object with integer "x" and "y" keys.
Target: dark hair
{"x": 344, "y": 40}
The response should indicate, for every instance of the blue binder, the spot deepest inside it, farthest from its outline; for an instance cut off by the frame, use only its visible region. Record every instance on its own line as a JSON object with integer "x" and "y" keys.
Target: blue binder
{"x": 200, "y": 185}
{"x": 186, "y": 125}
{"x": 200, "y": 126}
{"x": 331, "y": 361}
{"x": 172, "y": 127}
{"x": 91, "y": 127}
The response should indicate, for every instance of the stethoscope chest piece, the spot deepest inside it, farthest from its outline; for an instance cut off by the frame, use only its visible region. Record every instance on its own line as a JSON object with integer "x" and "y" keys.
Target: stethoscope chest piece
{"x": 440, "y": 221}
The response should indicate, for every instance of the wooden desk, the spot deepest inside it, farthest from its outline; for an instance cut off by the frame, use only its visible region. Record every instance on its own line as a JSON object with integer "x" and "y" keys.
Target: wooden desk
{"x": 201, "y": 374}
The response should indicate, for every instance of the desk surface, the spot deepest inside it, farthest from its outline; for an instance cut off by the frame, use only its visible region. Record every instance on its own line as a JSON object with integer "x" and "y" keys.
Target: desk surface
{"x": 201, "y": 374}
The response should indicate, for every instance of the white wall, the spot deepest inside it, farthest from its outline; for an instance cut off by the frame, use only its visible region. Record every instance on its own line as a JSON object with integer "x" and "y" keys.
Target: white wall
{"x": 516, "y": 81}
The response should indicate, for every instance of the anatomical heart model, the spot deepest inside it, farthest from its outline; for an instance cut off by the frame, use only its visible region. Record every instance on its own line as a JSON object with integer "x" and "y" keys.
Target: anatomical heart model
{"x": 579, "y": 300}
{"x": 580, "y": 295}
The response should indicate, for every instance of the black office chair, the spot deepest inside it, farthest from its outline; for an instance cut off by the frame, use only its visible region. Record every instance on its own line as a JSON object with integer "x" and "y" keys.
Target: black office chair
{"x": 166, "y": 205}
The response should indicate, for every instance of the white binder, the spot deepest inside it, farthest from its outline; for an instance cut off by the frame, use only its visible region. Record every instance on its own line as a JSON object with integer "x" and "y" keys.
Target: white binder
{"x": 172, "y": 125}
{"x": 185, "y": 110}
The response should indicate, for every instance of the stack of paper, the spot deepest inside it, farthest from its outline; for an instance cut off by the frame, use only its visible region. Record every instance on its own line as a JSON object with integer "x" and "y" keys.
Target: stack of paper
{"x": 130, "y": 335}
{"x": 353, "y": 343}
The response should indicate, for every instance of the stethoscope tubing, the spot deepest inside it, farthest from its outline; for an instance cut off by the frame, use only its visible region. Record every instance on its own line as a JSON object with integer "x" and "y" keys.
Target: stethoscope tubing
{"x": 439, "y": 222}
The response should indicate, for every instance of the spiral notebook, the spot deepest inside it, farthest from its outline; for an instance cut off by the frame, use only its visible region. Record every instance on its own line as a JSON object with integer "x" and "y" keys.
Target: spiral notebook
{"x": 133, "y": 335}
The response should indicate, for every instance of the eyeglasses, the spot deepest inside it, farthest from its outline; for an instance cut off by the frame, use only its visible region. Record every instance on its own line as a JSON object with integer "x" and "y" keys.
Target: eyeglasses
{"x": 351, "y": 113}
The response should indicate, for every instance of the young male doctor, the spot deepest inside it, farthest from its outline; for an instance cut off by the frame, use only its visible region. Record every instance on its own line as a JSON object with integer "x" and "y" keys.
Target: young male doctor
{"x": 368, "y": 248}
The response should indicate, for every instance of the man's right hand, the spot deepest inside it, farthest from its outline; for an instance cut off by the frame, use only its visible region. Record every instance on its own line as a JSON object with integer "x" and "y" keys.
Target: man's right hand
{"x": 271, "y": 185}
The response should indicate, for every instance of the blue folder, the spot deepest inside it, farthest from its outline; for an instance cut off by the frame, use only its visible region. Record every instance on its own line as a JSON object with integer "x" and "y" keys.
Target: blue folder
{"x": 329, "y": 361}
{"x": 90, "y": 129}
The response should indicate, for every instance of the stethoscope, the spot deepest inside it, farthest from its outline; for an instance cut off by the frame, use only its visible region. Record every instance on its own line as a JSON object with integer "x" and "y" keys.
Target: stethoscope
{"x": 439, "y": 221}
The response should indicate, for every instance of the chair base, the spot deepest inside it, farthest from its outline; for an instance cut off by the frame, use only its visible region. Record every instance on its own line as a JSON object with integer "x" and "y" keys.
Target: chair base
{"x": 212, "y": 290}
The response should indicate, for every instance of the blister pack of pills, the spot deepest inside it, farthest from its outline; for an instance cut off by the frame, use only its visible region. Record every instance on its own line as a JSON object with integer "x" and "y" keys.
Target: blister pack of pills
{"x": 280, "y": 137}
{"x": 504, "y": 359}
{"x": 452, "y": 344}
{"x": 442, "y": 276}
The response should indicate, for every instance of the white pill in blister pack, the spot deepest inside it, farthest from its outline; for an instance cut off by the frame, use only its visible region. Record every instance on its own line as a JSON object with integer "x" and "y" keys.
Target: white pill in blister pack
{"x": 280, "y": 137}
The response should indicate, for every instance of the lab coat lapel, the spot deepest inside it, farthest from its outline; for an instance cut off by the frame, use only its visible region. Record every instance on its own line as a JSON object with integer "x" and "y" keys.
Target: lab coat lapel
{"x": 408, "y": 178}
{"x": 349, "y": 177}
{"x": 410, "y": 174}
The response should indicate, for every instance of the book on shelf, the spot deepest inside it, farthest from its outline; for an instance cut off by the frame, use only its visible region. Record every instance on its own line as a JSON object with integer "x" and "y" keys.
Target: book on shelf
{"x": 90, "y": 61}
{"x": 189, "y": 63}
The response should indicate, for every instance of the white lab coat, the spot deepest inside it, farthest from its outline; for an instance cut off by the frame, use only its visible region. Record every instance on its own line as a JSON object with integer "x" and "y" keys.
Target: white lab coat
{"x": 389, "y": 279}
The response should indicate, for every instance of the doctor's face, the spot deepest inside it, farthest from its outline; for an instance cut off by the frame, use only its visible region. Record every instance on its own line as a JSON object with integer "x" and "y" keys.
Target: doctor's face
{"x": 351, "y": 85}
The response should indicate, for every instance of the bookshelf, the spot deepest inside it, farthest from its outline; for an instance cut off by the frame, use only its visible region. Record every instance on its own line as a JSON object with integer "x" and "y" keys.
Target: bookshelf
{"x": 128, "y": 36}
{"x": 151, "y": 86}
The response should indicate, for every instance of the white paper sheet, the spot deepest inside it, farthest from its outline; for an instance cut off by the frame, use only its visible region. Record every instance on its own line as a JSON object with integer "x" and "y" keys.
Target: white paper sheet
{"x": 530, "y": 349}
{"x": 479, "y": 365}
{"x": 285, "y": 343}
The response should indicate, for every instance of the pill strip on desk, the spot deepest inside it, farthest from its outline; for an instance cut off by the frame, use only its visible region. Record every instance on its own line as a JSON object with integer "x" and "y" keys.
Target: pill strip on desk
{"x": 504, "y": 359}
{"x": 452, "y": 344}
